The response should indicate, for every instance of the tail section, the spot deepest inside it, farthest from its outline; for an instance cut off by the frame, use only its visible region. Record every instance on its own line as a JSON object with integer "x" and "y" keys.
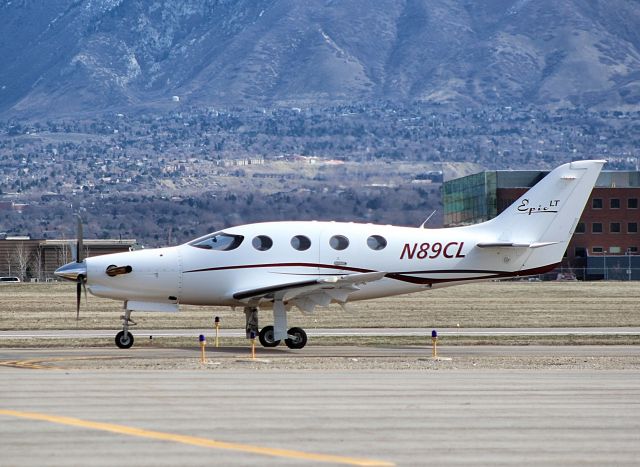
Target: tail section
{"x": 550, "y": 210}
{"x": 545, "y": 217}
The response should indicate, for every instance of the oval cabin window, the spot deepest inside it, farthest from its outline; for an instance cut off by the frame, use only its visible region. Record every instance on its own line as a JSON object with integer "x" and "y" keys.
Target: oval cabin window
{"x": 339, "y": 242}
{"x": 376, "y": 242}
{"x": 300, "y": 243}
{"x": 262, "y": 243}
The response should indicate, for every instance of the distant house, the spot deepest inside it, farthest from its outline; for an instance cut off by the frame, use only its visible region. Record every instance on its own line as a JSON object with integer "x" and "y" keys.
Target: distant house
{"x": 13, "y": 206}
{"x": 240, "y": 162}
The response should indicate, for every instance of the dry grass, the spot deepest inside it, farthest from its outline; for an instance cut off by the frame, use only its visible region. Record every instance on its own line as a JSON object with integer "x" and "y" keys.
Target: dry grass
{"x": 491, "y": 304}
{"x": 142, "y": 341}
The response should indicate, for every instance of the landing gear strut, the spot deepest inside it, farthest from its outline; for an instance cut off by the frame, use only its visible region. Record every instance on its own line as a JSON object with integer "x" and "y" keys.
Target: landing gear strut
{"x": 251, "y": 321}
{"x": 124, "y": 339}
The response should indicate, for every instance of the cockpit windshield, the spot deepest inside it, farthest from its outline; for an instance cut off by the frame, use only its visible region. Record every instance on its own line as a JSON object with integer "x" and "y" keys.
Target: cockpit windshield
{"x": 219, "y": 241}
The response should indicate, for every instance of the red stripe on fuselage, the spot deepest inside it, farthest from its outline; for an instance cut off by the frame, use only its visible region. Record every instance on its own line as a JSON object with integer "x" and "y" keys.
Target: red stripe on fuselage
{"x": 401, "y": 276}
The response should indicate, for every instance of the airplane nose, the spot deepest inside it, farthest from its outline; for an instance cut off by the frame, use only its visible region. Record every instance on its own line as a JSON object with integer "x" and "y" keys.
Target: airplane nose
{"x": 71, "y": 271}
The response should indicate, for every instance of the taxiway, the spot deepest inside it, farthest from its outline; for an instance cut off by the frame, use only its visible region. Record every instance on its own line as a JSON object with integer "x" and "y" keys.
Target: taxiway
{"x": 54, "y": 411}
{"x": 326, "y": 332}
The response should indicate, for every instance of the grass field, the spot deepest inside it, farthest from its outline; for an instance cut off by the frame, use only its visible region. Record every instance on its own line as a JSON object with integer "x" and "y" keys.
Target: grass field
{"x": 489, "y": 304}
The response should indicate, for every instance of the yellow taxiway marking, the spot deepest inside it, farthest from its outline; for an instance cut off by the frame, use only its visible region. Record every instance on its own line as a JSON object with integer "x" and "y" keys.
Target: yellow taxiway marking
{"x": 30, "y": 364}
{"x": 193, "y": 440}
{"x": 37, "y": 364}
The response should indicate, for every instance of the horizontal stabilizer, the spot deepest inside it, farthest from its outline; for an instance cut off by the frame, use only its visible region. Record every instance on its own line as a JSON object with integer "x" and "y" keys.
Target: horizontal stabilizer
{"x": 514, "y": 245}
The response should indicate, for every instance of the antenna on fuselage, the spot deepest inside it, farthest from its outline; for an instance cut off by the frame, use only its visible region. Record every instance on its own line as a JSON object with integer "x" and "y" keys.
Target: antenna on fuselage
{"x": 422, "y": 226}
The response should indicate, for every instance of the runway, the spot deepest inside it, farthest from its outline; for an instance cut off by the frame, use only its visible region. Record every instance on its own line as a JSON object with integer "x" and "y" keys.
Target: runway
{"x": 327, "y": 332}
{"x": 156, "y": 407}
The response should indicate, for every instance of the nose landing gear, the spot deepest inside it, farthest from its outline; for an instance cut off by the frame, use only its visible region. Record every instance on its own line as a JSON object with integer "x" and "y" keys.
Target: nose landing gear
{"x": 124, "y": 339}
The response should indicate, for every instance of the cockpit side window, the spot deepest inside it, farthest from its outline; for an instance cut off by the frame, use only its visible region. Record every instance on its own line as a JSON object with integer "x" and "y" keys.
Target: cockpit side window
{"x": 218, "y": 241}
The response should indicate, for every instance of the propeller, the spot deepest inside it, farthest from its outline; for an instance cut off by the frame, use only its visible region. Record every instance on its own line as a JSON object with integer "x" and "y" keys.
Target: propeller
{"x": 76, "y": 271}
{"x": 81, "y": 279}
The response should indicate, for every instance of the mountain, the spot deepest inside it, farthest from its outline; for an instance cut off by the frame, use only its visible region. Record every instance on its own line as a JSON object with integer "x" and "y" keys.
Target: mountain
{"x": 68, "y": 56}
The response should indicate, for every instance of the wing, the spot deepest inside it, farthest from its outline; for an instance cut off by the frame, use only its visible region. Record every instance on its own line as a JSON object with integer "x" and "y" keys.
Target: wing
{"x": 306, "y": 295}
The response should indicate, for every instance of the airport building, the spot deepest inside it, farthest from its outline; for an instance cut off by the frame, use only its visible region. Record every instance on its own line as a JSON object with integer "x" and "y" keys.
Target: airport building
{"x": 606, "y": 242}
{"x": 29, "y": 259}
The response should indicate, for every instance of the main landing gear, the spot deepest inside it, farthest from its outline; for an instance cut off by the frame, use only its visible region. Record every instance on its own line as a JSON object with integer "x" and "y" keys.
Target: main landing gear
{"x": 297, "y": 338}
{"x": 271, "y": 336}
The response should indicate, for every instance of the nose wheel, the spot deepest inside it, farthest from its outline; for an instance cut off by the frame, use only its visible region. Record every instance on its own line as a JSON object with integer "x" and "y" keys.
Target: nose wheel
{"x": 124, "y": 340}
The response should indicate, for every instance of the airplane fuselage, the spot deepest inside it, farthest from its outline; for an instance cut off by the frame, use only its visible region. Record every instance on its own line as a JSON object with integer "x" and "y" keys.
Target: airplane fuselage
{"x": 413, "y": 259}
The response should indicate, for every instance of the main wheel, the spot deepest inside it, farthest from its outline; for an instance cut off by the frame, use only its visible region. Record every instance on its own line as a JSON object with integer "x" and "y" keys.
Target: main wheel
{"x": 298, "y": 338}
{"x": 124, "y": 341}
{"x": 266, "y": 337}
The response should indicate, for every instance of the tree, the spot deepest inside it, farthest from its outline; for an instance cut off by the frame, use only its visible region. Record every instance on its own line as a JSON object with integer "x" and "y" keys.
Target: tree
{"x": 21, "y": 259}
{"x": 37, "y": 264}
{"x": 63, "y": 254}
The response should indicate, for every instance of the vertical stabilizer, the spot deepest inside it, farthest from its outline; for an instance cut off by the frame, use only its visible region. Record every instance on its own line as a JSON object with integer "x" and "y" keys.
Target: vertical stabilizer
{"x": 545, "y": 217}
{"x": 550, "y": 210}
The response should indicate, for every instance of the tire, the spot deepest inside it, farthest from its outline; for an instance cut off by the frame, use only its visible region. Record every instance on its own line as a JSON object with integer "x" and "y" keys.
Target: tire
{"x": 124, "y": 341}
{"x": 266, "y": 337}
{"x": 298, "y": 338}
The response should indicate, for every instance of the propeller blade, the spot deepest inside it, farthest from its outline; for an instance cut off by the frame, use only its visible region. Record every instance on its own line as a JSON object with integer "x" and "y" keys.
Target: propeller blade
{"x": 79, "y": 252}
{"x": 78, "y": 297}
{"x": 73, "y": 251}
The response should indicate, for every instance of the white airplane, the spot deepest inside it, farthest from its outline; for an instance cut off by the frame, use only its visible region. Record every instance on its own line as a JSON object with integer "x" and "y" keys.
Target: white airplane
{"x": 310, "y": 264}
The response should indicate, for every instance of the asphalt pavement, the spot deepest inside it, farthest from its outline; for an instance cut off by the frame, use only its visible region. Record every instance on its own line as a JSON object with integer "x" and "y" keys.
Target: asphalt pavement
{"x": 292, "y": 417}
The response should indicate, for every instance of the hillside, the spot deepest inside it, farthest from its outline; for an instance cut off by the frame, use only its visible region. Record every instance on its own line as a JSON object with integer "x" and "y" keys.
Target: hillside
{"x": 66, "y": 56}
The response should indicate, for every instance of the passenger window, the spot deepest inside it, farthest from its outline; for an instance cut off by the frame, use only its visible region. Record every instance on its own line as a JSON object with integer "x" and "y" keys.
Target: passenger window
{"x": 218, "y": 241}
{"x": 376, "y": 242}
{"x": 301, "y": 243}
{"x": 339, "y": 242}
{"x": 262, "y": 243}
